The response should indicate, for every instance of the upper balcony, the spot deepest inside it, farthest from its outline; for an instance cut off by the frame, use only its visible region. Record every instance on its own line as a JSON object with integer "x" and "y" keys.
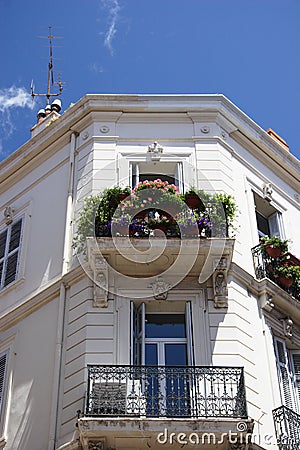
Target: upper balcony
{"x": 287, "y": 428}
{"x": 153, "y": 230}
{"x": 155, "y": 209}
{"x": 146, "y": 403}
{"x": 275, "y": 263}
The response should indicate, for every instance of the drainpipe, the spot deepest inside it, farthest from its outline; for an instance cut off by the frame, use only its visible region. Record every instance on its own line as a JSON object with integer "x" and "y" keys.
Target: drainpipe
{"x": 62, "y": 302}
{"x": 69, "y": 213}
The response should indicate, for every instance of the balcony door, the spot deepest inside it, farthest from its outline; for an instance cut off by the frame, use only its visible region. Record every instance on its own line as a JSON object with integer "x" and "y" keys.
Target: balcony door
{"x": 161, "y": 338}
{"x": 163, "y": 345}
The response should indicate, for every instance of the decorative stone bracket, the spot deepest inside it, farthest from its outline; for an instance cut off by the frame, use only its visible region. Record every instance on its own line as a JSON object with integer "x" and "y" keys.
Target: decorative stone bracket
{"x": 287, "y": 325}
{"x": 160, "y": 289}
{"x": 96, "y": 445}
{"x": 100, "y": 277}
{"x": 88, "y": 441}
{"x": 9, "y": 214}
{"x": 220, "y": 282}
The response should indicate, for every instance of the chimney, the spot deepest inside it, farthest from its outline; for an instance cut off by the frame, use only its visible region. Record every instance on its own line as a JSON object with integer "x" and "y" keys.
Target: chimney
{"x": 278, "y": 139}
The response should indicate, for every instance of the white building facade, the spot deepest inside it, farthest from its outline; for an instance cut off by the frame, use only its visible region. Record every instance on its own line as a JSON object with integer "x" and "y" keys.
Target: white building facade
{"x": 155, "y": 342}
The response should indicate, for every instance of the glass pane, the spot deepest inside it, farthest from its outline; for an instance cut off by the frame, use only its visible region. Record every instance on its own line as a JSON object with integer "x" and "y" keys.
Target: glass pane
{"x": 262, "y": 224}
{"x": 165, "y": 325}
{"x": 151, "y": 355}
{"x": 2, "y": 243}
{"x": 15, "y": 236}
{"x": 177, "y": 381}
{"x": 175, "y": 354}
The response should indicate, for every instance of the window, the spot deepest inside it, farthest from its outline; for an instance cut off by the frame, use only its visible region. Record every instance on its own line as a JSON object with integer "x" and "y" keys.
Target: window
{"x": 161, "y": 338}
{"x": 166, "y": 171}
{"x": 269, "y": 220}
{"x": 288, "y": 365}
{"x": 3, "y": 365}
{"x": 10, "y": 241}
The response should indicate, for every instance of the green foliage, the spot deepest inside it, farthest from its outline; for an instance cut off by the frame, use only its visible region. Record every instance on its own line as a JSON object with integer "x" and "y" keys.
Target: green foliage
{"x": 96, "y": 214}
{"x": 216, "y": 212}
{"x": 85, "y": 223}
{"x": 220, "y": 208}
{"x": 274, "y": 242}
{"x": 292, "y": 272}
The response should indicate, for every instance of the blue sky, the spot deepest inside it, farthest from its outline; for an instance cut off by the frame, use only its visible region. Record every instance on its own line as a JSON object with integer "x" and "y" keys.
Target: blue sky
{"x": 247, "y": 50}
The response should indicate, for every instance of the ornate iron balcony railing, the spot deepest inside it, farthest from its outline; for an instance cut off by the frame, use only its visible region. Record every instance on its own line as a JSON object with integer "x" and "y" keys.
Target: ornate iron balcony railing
{"x": 265, "y": 267}
{"x": 165, "y": 391}
{"x": 287, "y": 428}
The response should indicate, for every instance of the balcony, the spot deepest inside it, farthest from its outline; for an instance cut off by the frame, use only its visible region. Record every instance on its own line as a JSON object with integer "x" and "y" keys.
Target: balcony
{"x": 269, "y": 267}
{"x": 287, "y": 428}
{"x": 132, "y": 407}
{"x": 153, "y": 392}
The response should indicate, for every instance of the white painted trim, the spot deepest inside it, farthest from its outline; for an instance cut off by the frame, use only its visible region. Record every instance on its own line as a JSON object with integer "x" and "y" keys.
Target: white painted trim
{"x": 7, "y": 346}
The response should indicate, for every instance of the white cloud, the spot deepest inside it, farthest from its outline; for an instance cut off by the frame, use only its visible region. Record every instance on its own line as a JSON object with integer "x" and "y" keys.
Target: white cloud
{"x": 14, "y": 97}
{"x": 11, "y": 98}
{"x": 96, "y": 68}
{"x": 113, "y": 8}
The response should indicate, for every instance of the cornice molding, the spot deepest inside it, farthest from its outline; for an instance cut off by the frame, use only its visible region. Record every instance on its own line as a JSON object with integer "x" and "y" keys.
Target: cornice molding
{"x": 217, "y": 105}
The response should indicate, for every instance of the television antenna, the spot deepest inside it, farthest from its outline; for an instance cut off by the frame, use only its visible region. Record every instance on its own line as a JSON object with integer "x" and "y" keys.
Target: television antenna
{"x": 50, "y": 76}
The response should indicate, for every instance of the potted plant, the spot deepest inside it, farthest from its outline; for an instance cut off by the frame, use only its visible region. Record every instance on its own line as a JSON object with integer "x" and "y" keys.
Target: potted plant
{"x": 123, "y": 194}
{"x": 159, "y": 222}
{"x": 273, "y": 246}
{"x": 192, "y": 198}
{"x": 287, "y": 275}
{"x": 205, "y": 226}
{"x": 187, "y": 223}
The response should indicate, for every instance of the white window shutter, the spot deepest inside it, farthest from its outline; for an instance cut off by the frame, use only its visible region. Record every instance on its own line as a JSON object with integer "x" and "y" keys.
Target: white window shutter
{"x": 284, "y": 374}
{"x": 3, "y": 364}
{"x": 10, "y": 241}
{"x": 296, "y": 366}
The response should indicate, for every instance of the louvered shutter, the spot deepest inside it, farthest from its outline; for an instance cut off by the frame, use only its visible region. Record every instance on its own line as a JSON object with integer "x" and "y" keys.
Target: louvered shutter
{"x": 296, "y": 367}
{"x": 10, "y": 241}
{"x": 284, "y": 374}
{"x": 3, "y": 363}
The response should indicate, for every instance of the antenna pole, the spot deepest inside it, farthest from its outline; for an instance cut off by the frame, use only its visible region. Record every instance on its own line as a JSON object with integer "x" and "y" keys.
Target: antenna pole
{"x": 50, "y": 75}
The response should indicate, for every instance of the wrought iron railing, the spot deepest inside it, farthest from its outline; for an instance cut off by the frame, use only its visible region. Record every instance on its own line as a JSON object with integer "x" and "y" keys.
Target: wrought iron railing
{"x": 265, "y": 267}
{"x": 165, "y": 391}
{"x": 287, "y": 428}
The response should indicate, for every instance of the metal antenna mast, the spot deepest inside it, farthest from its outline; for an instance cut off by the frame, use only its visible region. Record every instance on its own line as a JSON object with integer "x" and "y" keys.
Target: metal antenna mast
{"x": 50, "y": 77}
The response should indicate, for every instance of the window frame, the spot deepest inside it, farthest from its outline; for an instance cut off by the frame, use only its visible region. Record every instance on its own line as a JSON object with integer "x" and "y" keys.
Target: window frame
{"x": 274, "y": 219}
{"x": 138, "y": 333}
{"x": 134, "y": 173}
{"x": 200, "y": 334}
